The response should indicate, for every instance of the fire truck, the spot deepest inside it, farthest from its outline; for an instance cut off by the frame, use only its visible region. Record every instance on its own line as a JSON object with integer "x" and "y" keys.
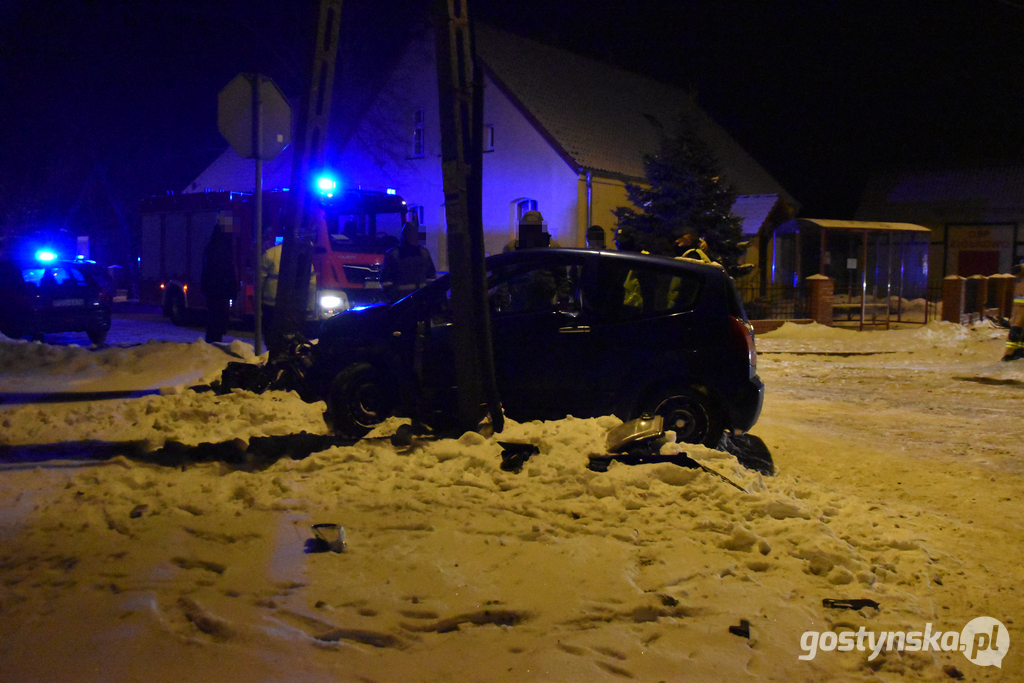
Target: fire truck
{"x": 350, "y": 236}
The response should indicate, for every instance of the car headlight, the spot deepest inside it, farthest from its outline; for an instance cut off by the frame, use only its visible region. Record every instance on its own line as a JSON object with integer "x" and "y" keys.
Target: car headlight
{"x": 332, "y": 303}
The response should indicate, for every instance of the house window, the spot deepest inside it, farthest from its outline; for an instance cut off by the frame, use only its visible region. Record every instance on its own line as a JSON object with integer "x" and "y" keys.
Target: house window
{"x": 413, "y": 212}
{"x": 524, "y": 205}
{"x": 489, "y": 138}
{"x": 417, "y": 134}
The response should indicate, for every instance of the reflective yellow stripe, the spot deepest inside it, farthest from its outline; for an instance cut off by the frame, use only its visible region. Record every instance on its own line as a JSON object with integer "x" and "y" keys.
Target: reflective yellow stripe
{"x": 1014, "y": 345}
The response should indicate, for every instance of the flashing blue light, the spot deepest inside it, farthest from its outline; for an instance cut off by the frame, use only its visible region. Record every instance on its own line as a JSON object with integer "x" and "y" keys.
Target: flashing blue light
{"x": 392, "y": 190}
{"x": 326, "y": 184}
{"x": 45, "y": 255}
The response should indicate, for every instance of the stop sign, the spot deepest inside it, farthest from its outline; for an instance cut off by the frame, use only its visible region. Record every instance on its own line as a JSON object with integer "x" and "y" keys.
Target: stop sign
{"x": 235, "y": 116}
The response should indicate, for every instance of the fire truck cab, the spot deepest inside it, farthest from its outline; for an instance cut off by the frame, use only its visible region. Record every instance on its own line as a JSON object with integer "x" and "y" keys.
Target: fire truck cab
{"x": 349, "y": 236}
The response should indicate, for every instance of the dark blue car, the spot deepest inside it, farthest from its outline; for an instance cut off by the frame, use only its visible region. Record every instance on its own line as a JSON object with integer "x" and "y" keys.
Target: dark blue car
{"x": 42, "y": 297}
{"x": 575, "y": 332}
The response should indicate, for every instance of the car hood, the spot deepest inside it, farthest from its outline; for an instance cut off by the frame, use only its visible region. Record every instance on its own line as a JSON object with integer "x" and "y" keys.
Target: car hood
{"x": 367, "y": 321}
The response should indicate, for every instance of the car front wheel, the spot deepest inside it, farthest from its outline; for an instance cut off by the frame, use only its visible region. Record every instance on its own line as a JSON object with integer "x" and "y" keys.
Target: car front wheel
{"x": 359, "y": 400}
{"x": 692, "y": 415}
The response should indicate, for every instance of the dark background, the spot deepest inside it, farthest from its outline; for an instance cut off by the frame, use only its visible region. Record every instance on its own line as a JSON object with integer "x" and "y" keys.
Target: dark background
{"x": 104, "y": 102}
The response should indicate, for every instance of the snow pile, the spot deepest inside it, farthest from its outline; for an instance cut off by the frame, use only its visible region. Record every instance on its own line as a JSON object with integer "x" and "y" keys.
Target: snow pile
{"x": 888, "y": 489}
{"x": 186, "y": 417}
{"x": 42, "y": 368}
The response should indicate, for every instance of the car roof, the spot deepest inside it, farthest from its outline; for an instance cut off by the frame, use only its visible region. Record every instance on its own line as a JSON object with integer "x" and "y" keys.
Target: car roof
{"x": 34, "y": 263}
{"x": 560, "y": 253}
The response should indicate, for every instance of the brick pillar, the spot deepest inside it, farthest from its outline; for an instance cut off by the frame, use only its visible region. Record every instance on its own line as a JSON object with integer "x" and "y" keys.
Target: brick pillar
{"x": 819, "y": 299}
{"x": 977, "y": 297}
{"x": 1000, "y": 293}
{"x": 953, "y": 294}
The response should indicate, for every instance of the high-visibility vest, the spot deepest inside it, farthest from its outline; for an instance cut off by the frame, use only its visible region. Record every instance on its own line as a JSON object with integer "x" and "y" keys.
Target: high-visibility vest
{"x": 270, "y": 268}
{"x": 1017, "y": 313}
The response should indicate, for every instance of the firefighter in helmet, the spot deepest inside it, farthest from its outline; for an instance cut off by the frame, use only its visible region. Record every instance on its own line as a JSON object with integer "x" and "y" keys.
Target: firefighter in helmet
{"x": 1015, "y": 340}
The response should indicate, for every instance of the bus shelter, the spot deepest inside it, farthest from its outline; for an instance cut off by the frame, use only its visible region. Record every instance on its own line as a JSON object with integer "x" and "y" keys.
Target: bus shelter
{"x": 875, "y": 267}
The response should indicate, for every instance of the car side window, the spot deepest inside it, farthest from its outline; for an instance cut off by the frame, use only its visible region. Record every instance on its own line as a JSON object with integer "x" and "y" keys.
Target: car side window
{"x": 33, "y": 276}
{"x": 439, "y": 309}
{"x": 66, "y": 276}
{"x": 628, "y": 291}
{"x": 532, "y": 288}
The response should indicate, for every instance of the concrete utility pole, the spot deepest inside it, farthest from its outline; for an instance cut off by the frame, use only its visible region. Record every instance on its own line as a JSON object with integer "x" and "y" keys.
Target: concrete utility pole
{"x": 460, "y": 94}
{"x": 310, "y": 154}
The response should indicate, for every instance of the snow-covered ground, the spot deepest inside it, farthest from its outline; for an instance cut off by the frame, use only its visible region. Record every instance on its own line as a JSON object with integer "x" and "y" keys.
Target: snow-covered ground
{"x": 900, "y": 466}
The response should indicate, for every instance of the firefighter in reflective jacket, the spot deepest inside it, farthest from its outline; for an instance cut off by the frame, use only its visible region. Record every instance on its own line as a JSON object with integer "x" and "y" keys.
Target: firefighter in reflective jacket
{"x": 1015, "y": 340}
{"x": 270, "y": 268}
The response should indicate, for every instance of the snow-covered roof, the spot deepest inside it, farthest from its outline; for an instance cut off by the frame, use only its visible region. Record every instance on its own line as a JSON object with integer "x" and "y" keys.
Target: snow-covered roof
{"x": 754, "y": 210}
{"x": 984, "y": 193}
{"x": 231, "y": 172}
{"x": 601, "y": 118}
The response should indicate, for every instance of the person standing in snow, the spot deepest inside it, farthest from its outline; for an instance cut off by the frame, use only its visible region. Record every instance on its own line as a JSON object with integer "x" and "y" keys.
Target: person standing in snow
{"x": 1015, "y": 340}
{"x": 270, "y": 269}
{"x": 408, "y": 266}
{"x": 219, "y": 279}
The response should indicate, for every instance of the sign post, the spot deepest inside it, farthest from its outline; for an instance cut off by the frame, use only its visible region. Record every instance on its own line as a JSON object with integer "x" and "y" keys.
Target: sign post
{"x": 256, "y": 120}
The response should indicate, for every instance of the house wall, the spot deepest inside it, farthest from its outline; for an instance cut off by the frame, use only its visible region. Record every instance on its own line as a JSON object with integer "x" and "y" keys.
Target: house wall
{"x": 521, "y": 166}
{"x": 605, "y": 195}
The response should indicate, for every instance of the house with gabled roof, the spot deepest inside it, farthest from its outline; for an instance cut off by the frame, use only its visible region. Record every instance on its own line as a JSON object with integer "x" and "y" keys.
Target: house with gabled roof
{"x": 563, "y": 134}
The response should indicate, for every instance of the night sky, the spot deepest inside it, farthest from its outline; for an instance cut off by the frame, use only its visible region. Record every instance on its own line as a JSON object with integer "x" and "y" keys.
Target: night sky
{"x": 106, "y": 102}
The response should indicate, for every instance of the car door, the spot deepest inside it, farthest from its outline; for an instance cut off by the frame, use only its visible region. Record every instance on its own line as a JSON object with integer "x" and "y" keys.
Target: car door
{"x": 644, "y": 328}
{"x": 541, "y": 336}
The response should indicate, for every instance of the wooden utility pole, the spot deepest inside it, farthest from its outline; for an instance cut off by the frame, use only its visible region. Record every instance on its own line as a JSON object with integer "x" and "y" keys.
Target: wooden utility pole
{"x": 310, "y": 154}
{"x": 460, "y": 95}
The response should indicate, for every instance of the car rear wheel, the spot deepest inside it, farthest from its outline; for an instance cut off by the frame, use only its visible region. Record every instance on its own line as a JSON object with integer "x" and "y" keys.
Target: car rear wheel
{"x": 693, "y": 416}
{"x": 97, "y": 335}
{"x": 359, "y": 400}
{"x": 176, "y": 310}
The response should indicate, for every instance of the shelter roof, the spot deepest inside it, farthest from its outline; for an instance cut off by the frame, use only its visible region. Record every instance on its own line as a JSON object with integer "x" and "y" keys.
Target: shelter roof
{"x": 850, "y": 226}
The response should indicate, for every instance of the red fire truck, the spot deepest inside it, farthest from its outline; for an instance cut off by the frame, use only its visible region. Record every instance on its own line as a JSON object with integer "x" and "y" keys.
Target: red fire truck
{"x": 350, "y": 237}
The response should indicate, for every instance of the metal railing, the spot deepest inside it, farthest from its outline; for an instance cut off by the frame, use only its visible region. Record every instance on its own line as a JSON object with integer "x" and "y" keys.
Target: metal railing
{"x": 778, "y": 302}
{"x": 775, "y": 302}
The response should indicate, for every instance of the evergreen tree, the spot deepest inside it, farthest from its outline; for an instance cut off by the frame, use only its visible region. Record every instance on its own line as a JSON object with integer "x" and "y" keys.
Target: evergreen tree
{"x": 688, "y": 196}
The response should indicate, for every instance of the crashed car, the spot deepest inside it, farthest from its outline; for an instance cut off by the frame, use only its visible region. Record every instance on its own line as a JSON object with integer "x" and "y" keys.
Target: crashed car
{"x": 575, "y": 332}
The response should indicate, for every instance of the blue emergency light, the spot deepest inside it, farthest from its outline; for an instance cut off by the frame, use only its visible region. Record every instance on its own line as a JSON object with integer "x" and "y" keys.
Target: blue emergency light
{"x": 45, "y": 256}
{"x": 327, "y": 185}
